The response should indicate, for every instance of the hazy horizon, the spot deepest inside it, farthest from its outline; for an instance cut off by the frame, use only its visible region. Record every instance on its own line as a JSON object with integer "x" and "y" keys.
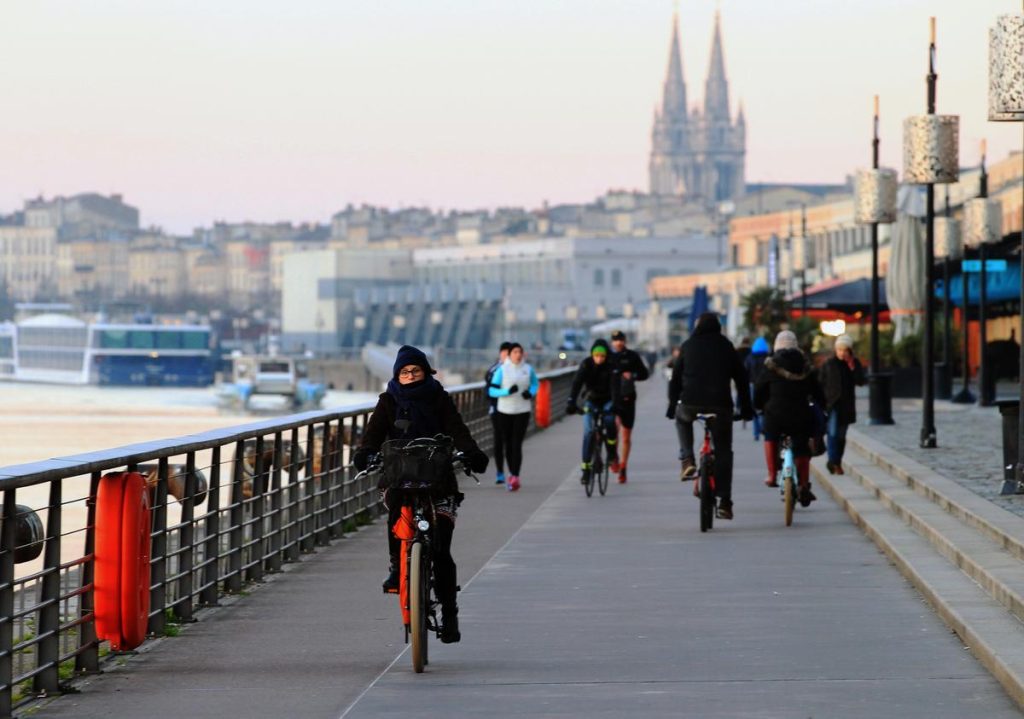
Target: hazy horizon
{"x": 253, "y": 111}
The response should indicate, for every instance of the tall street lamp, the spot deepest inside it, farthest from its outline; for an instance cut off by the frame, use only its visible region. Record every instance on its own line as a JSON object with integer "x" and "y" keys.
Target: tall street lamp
{"x": 1006, "y": 104}
{"x": 930, "y": 157}
{"x": 875, "y": 203}
{"x": 982, "y": 227}
{"x": 949, "y": 246}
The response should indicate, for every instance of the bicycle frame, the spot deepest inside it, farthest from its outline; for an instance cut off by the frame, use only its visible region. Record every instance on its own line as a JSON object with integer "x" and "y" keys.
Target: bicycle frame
{"x": 416, "y": 524}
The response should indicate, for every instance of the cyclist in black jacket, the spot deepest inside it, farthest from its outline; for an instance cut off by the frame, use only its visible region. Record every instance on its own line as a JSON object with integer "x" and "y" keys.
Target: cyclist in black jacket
{"x": 628, "y": 368}
{"x": 701, "y": 382}
{"x": 492, "y": 411}
{"x": 595, "y": 377}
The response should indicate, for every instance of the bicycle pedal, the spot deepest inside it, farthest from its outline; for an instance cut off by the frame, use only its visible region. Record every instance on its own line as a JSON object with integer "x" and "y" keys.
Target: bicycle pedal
{"x": 391, "y": 591}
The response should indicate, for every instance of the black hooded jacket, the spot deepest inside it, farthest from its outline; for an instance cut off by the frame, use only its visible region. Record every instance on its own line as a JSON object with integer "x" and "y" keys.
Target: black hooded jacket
{"x": 783, "y": 391}
{"x": 596, "y": 379}
{"x": 706, "y": 367}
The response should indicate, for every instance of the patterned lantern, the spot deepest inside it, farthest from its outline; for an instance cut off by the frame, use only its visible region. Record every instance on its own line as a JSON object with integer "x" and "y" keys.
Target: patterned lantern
{"x": 948, "y": 241}
{"x": 874, "y": 197}
{"x": 1006, "y": 69}
{"x": 931, "y": 149}
{"x": 983, "y": 222}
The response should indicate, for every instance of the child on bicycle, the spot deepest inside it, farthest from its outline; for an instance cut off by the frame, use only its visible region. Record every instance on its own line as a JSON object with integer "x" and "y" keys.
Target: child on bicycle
{"x": 595, "y": 376}
{"x": 415, "y": 405}
{"x": 783, "y": 391}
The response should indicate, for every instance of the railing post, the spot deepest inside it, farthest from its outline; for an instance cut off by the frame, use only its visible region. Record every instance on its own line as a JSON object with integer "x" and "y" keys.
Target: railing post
{"x": 186, "y": 540}
{"x": 88, "y": 648}
{"x": 158, "y": 557}
{"x": 7, "y": 546}
{"x": 234, "y": 579}
{"x": 323, "y": 495}
{"x": 293, "y": 534}
{"x": 255, "y": 572}
{"x": 211, "y": 544}
{"x": 48, "y": 680}
{"x": 307, "y": 507}
{"x": 274, "y": 561}
{"x": 337, "y": 525}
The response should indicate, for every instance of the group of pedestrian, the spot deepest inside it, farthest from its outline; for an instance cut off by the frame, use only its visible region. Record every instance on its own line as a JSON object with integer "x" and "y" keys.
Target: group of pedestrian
{"x": 779, "y": 390}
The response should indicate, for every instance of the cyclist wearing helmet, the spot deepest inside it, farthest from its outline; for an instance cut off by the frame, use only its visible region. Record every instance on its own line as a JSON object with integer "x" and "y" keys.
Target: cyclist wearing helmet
{"x": 416, "y": 405}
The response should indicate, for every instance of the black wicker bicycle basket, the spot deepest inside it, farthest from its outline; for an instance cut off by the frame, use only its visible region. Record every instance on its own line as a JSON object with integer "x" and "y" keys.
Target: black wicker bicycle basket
{"x": 418, "y": 464}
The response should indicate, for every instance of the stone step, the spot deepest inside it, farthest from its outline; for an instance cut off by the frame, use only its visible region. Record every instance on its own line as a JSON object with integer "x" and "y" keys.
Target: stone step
{"x": 1001, "y": 526}
{"x": 975, "y": 553}
{"x": 993, "y": 635}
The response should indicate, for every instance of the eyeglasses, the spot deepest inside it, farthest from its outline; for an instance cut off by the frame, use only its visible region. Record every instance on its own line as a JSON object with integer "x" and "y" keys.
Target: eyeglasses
{"x": 411, "y": 372}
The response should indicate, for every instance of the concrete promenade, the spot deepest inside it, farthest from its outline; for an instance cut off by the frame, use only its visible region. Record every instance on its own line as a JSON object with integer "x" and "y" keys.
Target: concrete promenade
{"x": 609, "y": 606}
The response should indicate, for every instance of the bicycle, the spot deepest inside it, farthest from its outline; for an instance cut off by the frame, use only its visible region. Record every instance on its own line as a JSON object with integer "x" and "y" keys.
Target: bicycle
{"x": 787, "y": 478}
{"x": 705, "y": 487}
{"x": 599, "y": 465}
{"x": 415, "y": 483}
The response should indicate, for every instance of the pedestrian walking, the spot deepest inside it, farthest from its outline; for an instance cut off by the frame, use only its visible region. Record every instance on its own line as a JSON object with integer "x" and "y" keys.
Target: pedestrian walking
{"x": 492, "y": 411}
{"x": 840, "y": 374}
{"x": 514, "y": 385}
{"x": 628, "y": 368}
{"x": 754, "y": 363}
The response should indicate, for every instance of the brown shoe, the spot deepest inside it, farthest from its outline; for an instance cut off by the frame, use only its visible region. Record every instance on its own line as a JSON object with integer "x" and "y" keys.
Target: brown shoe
{"x": 689, "y": 470}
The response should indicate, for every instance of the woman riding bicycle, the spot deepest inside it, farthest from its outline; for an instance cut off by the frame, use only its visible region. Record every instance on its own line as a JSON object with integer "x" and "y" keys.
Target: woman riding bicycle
{"x": 595, "y": 376}
{"x": 415, "y": 405}
{"x": 783, "y": 391}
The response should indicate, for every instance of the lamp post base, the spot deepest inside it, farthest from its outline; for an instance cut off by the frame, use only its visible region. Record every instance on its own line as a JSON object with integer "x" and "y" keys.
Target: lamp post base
{"x": 928, "y": 438}
{"x": 880, "y": 398}
{"x": 964, "y": 396}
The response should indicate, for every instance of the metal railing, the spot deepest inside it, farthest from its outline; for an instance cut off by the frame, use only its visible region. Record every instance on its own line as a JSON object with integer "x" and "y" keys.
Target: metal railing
{"x": 228, "y": 506}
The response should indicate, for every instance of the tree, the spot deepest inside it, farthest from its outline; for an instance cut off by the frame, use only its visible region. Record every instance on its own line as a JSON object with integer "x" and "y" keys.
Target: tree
{"x": 765, "y": 311}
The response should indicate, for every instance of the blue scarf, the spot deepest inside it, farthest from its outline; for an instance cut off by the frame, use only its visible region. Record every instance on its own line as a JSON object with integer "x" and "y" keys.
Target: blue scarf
{"x": 417, "y": 403}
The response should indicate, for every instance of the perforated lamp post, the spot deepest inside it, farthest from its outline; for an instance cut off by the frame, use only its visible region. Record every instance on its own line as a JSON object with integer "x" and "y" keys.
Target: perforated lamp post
{"x": 874, "y": 203}
{"x": 930, "y": 157}
{"x": 1006, "y": 104}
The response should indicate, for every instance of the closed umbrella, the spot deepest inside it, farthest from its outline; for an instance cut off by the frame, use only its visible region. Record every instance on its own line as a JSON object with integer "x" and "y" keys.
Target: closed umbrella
{"x": 904, "y": 284}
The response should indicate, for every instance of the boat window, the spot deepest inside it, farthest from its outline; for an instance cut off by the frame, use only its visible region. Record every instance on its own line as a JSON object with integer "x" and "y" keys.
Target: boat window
{"x": 194, "y": 340}
{"x": 168, "y": 340}
{"x": 274, "y": 367}
{"x": 140, "y": 340}
{"x": 114, "y": 338}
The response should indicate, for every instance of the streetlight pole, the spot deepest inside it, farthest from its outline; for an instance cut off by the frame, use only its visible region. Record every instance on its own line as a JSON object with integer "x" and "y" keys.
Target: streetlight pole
{"x": 803, "y": 261}
{"x": 928, "y": 433}
{"x": 985, "y": 398}
{"x": 946, "y": 388}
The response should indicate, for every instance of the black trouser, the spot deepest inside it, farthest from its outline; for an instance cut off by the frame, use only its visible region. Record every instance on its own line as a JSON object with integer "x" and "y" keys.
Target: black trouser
{"x": 513, "y": 429}
{"x": 499, "y": 443}
{"x": 721, "y": 437}
{"x": 445, "y": 571}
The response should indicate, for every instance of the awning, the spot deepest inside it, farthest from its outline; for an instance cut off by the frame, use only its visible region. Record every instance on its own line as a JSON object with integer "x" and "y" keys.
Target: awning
{"x": 1000, "y": 286}
{"x": 847, "y": 297}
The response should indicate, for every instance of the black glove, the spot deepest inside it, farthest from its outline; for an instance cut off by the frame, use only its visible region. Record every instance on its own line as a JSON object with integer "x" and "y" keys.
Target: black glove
{"x": 670, "y": 413}
{"x": 478, "y": 462}
{"x": 571, "y": 407}
{"x": 361, "y": 458}
{"x": 527, "y": 394}
{"x": 513, "y": 389}
{"x": 747, "y": 414}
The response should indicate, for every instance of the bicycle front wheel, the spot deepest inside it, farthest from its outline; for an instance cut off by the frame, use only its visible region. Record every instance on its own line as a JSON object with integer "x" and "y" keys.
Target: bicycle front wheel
{"x": 707, "y": 497}
{"x": 418, "y": 607}
{"x": 596, "y": 466}
{"x": 602, "y": 476}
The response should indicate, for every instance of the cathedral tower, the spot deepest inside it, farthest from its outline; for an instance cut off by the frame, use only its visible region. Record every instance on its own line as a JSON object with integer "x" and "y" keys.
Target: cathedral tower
{"x": 699, "y": 155}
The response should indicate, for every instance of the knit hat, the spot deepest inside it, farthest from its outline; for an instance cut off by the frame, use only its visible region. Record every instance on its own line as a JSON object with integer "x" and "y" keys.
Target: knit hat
{"x": 760, "y": 347}
{"x": 619, "y": 335}
{"x": 600, "y": 346}
{"x": 785, "y": 340}
{"x": 409, "y": 355}
{"x": 844, "y": 341}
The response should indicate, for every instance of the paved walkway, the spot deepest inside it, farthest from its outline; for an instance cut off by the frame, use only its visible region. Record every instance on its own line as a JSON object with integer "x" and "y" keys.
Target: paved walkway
{"x": 604, "y": 607}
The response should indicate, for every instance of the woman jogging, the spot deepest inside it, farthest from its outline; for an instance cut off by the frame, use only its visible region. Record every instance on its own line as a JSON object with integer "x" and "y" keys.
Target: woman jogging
{"x": 514, "y": 384}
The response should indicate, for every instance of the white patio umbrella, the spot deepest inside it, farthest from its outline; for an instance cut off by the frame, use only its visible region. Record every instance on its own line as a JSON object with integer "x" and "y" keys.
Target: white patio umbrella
{"x": 904, "y": 284}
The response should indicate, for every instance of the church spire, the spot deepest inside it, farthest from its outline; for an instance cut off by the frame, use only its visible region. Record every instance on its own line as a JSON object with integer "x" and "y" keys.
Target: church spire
{"x": 673, "y": 105}
{"x": 716, "y": 88}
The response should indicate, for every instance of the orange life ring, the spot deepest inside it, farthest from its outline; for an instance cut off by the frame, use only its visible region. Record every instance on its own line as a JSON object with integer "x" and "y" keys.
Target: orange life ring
{"x": 135, "y": 544}
{"x": 121, "y": 564}
{"x": 543, "y": 406}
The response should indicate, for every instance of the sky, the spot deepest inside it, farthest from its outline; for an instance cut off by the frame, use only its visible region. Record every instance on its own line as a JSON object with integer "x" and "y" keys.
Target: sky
{"x": 236, "y": 110}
